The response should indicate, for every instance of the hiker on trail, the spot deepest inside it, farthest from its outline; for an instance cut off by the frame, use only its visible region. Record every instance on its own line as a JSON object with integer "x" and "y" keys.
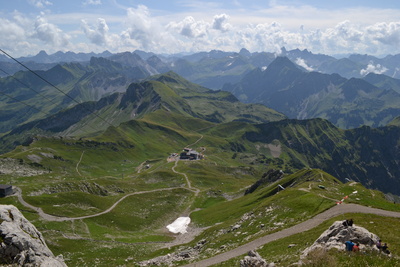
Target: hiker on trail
{"x": 356, "y": 247}
{"x": 348, "y": 222}
{"x": 349, "y": 245}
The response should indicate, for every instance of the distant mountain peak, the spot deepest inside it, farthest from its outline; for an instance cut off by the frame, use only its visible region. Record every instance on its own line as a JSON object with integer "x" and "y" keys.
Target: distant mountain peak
{"x": 245, "y": 52}
{"x": 283, "y": 63}
{"x": 42, "y": 53}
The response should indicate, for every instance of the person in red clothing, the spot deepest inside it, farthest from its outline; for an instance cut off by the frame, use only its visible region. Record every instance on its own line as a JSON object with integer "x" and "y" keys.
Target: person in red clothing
{"x": 356, "y": 247}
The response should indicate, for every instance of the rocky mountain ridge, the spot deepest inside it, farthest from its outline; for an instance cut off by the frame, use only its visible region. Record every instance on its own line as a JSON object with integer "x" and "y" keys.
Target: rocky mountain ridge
{"x": 299, "y": 94}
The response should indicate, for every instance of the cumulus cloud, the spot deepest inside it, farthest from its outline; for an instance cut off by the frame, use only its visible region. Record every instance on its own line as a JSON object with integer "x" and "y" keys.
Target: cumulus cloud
{"x": 189, "y": 27}
{"x": 98, "y": 35}
{"x": 14, "y": 31}
{"x": 141, "y": 29}
{"x": 196, "y": 31}
{"x": 302, "y": 63}
{"x": 219, "y": 23}
{"x": 385, "y": 33}
{"x": 377, "y": 69}
{"x": 50, "y": 33}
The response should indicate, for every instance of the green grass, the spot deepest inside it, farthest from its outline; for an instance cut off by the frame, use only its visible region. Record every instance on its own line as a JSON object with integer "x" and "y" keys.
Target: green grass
{"x": 236, "y": 156}
{"x": 99, "y": 253}
{"x": 282, "y": 254}
{"x": 72, "y": 204}
{"x": 145, "y": 211}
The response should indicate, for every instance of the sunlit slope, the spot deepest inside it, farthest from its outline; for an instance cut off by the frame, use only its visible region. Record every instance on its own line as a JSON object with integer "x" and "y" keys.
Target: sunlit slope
{"x": 168, "y": 92}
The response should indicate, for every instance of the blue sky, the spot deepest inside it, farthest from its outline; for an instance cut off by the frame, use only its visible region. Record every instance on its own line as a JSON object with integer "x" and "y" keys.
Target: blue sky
{"x": 328, "y": 27}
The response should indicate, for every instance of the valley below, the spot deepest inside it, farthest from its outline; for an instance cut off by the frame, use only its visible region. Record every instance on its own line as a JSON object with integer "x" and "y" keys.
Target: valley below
{"x": 126, "y": 153}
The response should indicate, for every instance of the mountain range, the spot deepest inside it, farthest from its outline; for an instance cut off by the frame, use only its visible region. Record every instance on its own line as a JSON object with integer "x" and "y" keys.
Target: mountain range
{"x": 215, "y": 65}
{"x": 348, "y": 103}
{"x": 251, "y": 77}
{"x": 312, "y": 143}
{"x": 95, "y": 144}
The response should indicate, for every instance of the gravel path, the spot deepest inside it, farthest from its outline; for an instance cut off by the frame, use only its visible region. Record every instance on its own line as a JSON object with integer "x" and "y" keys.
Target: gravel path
{"x": 301, "y": 227}
{"x": 189, "y": 185}
{"x": 49, "y": 217}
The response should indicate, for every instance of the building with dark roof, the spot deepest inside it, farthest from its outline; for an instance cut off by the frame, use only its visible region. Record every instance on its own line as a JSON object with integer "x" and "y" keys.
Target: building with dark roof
{"x": 5, "y": 190}
{"x": 190, "y": 154}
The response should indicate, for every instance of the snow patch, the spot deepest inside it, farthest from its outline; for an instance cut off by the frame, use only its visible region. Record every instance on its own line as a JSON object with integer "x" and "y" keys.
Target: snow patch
{"x": 179, "y": 225}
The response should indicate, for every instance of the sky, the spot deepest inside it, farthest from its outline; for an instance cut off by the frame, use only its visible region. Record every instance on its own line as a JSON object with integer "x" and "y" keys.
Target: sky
{"x": 335, "y": 27}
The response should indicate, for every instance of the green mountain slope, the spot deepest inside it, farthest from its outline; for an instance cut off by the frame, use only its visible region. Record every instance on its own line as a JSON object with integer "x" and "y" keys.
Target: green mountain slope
{"x": 75, "y": 84}
{"x": 303, "y": 95}
{"x": 363, "y": 154}
{"x": 71, "y": 176}
{"x": 80, "y": 163}
{"x": 395, "y": 122}
{"x": 168, "y": 92}
{"x": 383, "y": 81}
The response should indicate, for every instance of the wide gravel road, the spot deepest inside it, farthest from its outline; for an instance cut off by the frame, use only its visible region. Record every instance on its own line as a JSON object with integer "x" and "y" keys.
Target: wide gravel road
{"x": 301, "y": 227}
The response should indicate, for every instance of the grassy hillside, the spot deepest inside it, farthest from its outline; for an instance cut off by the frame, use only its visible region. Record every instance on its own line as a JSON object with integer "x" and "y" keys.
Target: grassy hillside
{"x": 83, "y": 176}
{"x": 128, "y": 161}
{"x": 28, "y": 98}
{"x": 395, "y": 122}
{"x": 168, "y": 93}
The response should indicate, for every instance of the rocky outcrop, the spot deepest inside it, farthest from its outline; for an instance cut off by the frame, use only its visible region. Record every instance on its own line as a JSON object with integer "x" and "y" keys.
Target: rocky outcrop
{"x": 338, "y": 234}
{"x": 268, "y": 177}
{"x": 188, "y": 253}
{"x": 21, "y": 243}
{"x": 254, "y": 260}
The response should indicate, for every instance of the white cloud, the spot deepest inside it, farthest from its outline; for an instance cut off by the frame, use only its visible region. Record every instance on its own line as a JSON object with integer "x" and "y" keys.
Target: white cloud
{"x": 302, "y": 63}
{"x": 371, "y": 68}
{"x": 191, "y": 28}
{"x": 92, "y": 2}
{"x": 219, "y": 23}
{"x": 40, "y": 3}
{"x": 49, "y": 33}
{"x": 12, "y": 30}
{"x": 265, "y": 29}
{"x": 141, "y": 28}
{"x": 385, "y": 33}
{"x": 98, "y": 35}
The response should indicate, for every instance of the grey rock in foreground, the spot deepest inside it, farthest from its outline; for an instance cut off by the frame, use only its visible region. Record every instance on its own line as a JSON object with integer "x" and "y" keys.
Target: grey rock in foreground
{"x": 21, "y": 243}
{"x": 254, "y": 260}
{"x": 338, "y": 234}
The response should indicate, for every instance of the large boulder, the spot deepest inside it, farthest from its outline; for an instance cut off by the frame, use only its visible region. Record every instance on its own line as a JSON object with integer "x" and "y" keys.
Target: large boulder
{"x": 21, "y": 243}
{"x": 253, "y": 259}
{"x": 338, "y": 234}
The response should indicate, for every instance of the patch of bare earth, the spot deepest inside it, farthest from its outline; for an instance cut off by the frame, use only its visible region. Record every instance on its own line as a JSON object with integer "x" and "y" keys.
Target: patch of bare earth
{"x": 275, "y": 149}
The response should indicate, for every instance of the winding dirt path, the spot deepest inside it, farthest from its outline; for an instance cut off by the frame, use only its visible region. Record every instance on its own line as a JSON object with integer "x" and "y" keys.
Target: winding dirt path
{"x": 198, "y": 140}
{"x": 79, "y": 162}
{"x": 301, "y": 227}
{"x": 49, "y": 217}
{"x": 189, "y": 184}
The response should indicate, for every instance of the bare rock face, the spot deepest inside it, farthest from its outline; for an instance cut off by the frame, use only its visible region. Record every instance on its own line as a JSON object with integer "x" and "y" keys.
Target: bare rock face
{"x": 254, "y": 260}
{"x": 338, "y": 234}
{"x": 21, "y": 243}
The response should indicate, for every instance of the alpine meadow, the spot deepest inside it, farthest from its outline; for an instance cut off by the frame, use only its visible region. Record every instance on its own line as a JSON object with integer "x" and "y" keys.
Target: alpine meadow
{"x": 199, "y": 133}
